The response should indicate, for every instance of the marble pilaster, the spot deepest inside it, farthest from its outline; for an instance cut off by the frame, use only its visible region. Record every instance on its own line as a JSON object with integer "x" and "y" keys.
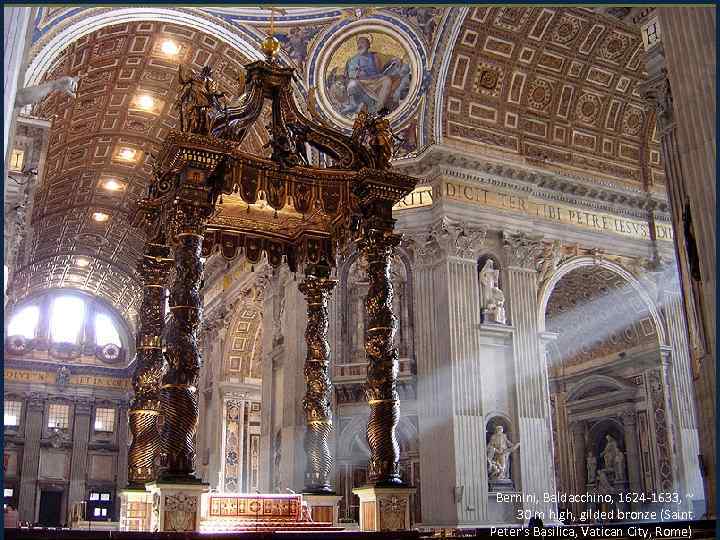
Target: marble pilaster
{"x": 632, "y": 453}
{"x": 31, "y": 458}
{"x": 531, "y": 378}
{"x": 447, "y": 317}
{"x": 78, "y": 462}
{"x": 681, "y": 386}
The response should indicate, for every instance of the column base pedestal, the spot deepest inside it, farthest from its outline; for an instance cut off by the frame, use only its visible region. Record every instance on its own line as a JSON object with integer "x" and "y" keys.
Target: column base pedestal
{"x": 323, "y": 508}
{"x": 135, "y": 509}
{"x": 384, "y": 508}
{"x": 176, "y": 506}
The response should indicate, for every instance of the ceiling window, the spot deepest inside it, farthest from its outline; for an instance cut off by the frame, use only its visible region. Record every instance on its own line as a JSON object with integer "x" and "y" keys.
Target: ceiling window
{"x": 58, "y": 416}
{"x": 24, "y": 322}
{"x": 104, "y": 419}
{"x": 105, "y": 331}
{"x": 66, "y": 319}
{"x": 12, "y": 412}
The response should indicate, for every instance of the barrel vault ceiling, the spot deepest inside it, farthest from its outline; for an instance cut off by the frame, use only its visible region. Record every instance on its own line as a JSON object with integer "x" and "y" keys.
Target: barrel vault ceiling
{"x": 80, "y": 233}
{"x": 553, "y": 87}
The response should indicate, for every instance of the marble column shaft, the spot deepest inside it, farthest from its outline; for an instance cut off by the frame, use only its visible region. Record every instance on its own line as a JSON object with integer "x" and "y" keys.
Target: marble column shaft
{"x": 580, "y": 465}
{"x": 447, "y": 315}
{"x": 531, "y": 383}
{"x": 31, "y": 459}
{"x": 122, "y": 459}
{"x": 78, "y": 462}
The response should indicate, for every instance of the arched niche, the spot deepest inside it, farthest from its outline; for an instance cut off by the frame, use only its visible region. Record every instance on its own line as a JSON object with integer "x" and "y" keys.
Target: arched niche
{"x": 494, "y": 420}
{"x": 353, "y": 290}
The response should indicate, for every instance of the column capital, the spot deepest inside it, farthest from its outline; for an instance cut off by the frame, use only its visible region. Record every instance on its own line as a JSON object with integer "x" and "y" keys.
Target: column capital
{"x": 656, "y": 91}
{"x": 36, "y": 402}
{"x": 449, "y": 238}
{"x": 83, "y": 406}
{"x": 628, "y": 417}
{"x": 523, "y": 250}
{"x": 577, "y": 426}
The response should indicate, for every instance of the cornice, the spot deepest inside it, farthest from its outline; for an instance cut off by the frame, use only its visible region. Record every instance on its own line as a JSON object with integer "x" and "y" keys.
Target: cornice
{"x": 591, "y": 193}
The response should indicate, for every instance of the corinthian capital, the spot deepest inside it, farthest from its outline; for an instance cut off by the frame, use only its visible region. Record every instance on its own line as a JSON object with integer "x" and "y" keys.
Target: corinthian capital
{"x": 451, "y": 238}
{"x": 523, "y": 250}
{"x": 657, "y": 93}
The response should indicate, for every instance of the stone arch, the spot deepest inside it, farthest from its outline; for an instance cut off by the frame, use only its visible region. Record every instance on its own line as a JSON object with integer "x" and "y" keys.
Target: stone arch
{"x": 82, "y": 24}
{"x": 594, "y": 382}
{"x": 588, "y": 261}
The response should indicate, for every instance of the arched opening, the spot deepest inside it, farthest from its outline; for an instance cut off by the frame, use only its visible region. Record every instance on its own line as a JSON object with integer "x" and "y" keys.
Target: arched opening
{"x": 609, "y": 384}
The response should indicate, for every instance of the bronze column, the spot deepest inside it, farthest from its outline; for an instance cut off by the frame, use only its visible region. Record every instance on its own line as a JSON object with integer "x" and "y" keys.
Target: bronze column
{"x": 317, "y": 289}
{"x": 145, "y": 404}
{"x": 179, "y": 385}
{"x": 377, "y": 246}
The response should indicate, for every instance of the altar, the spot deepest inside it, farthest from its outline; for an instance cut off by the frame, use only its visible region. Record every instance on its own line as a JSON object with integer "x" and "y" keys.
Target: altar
{"x": 237, "y": 512}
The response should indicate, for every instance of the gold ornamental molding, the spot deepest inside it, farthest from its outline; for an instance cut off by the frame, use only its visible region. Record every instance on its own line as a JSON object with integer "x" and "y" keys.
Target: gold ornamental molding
{"x": 49, "y": 377}
{"x": 563, "y": 214}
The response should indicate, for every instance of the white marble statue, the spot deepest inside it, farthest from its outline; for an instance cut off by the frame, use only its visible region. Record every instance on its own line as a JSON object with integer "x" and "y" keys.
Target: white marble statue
{"x": 35, "y": 94}
{"x": 591, "y": 464}
{"x": 492, "y": 298}
{"x": 609, "y": 452}
{"x": 498, "y": 452}
{"x": 619, "y": 466}
{"x": 603, "y": 484}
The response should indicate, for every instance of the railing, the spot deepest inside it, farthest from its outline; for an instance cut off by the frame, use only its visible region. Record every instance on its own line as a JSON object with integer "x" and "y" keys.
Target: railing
{"x": 357, "y": 371}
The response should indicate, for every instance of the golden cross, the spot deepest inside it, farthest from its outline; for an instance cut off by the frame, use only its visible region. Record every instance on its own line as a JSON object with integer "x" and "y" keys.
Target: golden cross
{"x": 273, "y": 10}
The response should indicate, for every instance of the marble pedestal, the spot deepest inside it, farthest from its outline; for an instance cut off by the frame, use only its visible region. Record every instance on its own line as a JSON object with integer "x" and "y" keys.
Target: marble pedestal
{"x": 176, "y": 506}
{"x": 135, "y": 509}
{"x": 384, "y": 508}
{"x": 323, "y": 508}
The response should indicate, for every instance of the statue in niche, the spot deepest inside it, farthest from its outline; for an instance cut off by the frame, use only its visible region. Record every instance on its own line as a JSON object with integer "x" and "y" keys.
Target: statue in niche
{"x": 34, "y": 94}
{"x": 492, "y": 298}
{"x": 609, "y": 452}
{"x": 603, "y": 484}
{"x": 619, "y": 466}
{"x": 498, "y": 453}
{"x": 63, "y": 376}
{"x": 591, "y": 464}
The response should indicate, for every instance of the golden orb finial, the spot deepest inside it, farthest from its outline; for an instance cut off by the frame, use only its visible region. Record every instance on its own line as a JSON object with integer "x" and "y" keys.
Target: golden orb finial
{"x": 270, "y": 46}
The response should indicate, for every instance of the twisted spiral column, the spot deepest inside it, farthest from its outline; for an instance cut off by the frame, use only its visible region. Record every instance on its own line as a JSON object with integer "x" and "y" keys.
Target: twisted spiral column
{"x": 145, "y": 404}
{"x": 316, "y": 403}
{"x": 378, "y": 246}
{"x": 179, "y": 385}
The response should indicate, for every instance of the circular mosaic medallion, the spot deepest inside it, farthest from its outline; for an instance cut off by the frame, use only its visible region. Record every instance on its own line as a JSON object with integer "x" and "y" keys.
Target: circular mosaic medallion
{"x": 367, "y": 65}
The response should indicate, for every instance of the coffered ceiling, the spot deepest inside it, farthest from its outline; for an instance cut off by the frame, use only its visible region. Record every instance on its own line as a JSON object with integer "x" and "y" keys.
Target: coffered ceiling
{"x": 596, "y": 313}
{"x": 100, "y": 153}
{"x": 556, "y": 87}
